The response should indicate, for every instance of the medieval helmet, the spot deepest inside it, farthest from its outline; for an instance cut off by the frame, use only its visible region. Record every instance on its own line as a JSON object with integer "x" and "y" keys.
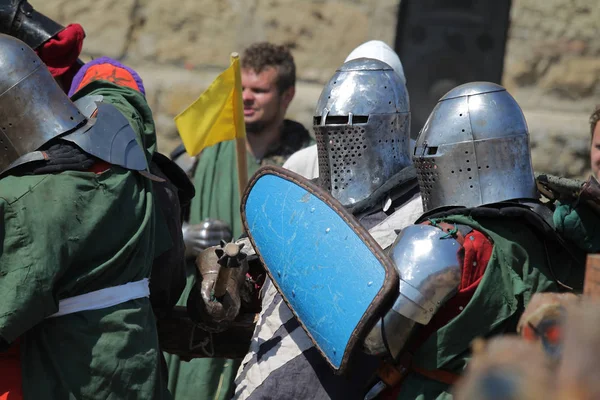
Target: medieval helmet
{"x": 474, "y": 149}
{"x": 33, "y": 108}
{"x": 362, "y": 125}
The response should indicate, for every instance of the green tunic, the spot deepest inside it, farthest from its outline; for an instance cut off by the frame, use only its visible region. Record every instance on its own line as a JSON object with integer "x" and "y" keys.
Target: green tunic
{"x": 517, "y": 269}
{"x": 68, "y": 234}
{"x": 217, "y": 196}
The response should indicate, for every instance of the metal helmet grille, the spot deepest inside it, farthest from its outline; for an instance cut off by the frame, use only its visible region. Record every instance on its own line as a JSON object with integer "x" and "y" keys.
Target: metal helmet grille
{"x": 354, "y": 160}
{"x": 427, "y": 176}
{"x": 323, "y": 152}
{"x": 344, "y": 145}
{"x": 474, "y": 150}
{"x": 362, "y": 129}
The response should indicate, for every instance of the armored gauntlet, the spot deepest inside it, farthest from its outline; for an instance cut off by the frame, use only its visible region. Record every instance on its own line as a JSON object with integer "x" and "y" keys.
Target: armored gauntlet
{"x": 214, "y": 301}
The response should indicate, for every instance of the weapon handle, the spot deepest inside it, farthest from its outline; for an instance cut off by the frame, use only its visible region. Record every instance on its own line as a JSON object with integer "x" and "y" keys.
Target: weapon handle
{"x": 591, "y": 283}
{"x": 220, "y": 287}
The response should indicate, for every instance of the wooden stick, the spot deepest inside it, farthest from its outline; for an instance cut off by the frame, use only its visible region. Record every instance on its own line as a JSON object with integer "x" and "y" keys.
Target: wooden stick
{"x": 240, "y": 125}
{"x": 242, "y": 166}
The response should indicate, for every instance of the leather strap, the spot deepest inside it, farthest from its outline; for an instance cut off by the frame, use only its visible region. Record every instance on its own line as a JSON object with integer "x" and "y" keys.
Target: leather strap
{"x": 394, "y": 374}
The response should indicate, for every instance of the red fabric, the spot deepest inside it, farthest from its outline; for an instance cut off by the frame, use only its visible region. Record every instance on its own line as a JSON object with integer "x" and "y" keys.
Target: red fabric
{"x": 60, "y": 53}
{"x": 98, "y": 168}
{"x": 10, "y": 374}
{"x": 475, "y": 254}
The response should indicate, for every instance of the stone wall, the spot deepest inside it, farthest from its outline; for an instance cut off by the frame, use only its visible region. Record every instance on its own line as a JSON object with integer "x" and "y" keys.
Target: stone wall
{"x": 552, "y": 64}
{"x": 552, "y": 67}
{"x": 553, "y": 45}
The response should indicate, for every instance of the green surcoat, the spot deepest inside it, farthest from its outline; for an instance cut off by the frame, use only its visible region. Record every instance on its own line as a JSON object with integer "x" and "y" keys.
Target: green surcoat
{"x": 70, "y": 233}
{"x": 518, "y": 268}
{"x": 217, "y": 196}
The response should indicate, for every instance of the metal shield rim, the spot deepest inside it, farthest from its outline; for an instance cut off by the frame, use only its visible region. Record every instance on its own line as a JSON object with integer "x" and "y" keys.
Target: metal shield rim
{"x": 385, "y": 296}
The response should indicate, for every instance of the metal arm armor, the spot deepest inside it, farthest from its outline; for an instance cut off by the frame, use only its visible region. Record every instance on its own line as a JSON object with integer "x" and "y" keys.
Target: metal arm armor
{"x": 428, "y": 262}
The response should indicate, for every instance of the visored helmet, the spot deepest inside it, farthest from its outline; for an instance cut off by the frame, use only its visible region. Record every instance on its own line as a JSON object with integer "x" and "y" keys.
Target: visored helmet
{"x": 33, "y": 108}
{"x": 474, "y": 149}
{"x": 362, "y": 125}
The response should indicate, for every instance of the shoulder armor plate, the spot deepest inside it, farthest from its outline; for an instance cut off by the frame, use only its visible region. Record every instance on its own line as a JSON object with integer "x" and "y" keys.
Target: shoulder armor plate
{"x": 109, "y": 137}
{"x": 427, "y": 261}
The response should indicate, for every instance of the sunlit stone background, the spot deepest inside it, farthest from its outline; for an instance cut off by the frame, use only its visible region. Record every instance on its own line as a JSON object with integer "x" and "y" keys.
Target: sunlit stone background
{"x": 552, "y": 65}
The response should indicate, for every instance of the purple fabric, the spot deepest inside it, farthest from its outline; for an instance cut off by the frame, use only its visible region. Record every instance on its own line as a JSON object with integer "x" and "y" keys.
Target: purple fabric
{"x": 104, "y": 60}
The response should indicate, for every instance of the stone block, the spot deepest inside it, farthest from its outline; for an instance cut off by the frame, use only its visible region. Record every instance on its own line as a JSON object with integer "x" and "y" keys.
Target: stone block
{"x": 383, "y": 20}
{"x": 186, "y": 33}
{"x": 574, "y": 77}
{"x": 559, "y": 142}
{"x": 320, "y": 35}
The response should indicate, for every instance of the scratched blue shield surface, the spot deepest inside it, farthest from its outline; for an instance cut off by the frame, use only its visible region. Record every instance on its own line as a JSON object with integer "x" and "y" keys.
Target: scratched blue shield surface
{"x": 327, "y": 273}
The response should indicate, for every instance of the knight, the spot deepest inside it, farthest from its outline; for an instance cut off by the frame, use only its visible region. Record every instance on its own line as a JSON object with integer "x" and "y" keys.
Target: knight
{"x": 80, "y": 232}
{"x": 362, "y": 128}
{"x": 483, "y": 247}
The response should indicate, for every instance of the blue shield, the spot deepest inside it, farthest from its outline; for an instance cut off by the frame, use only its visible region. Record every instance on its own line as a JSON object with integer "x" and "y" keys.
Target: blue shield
{"x": 330, "y": 271}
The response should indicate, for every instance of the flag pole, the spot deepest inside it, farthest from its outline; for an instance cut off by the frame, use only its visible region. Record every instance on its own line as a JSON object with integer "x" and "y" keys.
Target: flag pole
{"x": 240, "y": 140}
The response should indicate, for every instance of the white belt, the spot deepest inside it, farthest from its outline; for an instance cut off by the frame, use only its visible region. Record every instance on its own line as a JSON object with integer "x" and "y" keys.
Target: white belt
{"x": 103, "y": 298}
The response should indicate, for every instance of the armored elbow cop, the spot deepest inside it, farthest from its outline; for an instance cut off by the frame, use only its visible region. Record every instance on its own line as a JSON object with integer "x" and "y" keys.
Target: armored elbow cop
{"x": 427, "y": 260}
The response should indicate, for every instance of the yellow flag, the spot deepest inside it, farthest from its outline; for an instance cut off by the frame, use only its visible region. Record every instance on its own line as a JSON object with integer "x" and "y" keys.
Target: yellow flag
{"x": 217, "y": 115}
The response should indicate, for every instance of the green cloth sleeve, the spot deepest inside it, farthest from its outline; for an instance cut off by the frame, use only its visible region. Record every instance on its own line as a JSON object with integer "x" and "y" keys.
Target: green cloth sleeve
{"x": 579, "y": 224}
{"x": 26, "y": 273}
